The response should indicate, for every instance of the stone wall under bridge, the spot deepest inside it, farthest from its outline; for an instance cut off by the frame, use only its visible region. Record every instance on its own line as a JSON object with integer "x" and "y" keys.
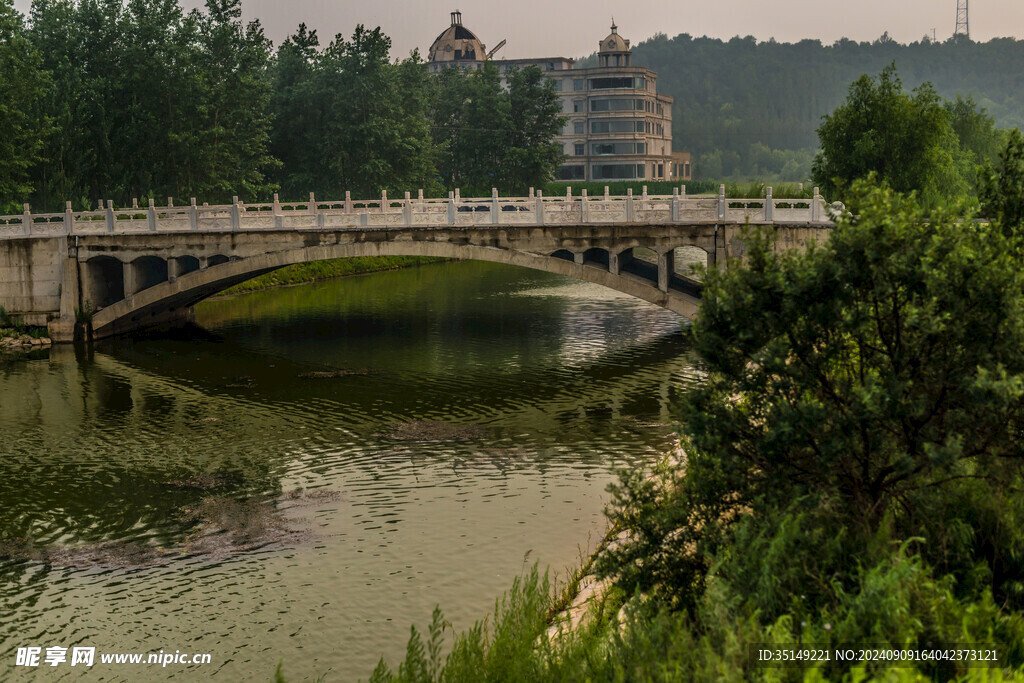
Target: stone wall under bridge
{"x": 115, "y": 278}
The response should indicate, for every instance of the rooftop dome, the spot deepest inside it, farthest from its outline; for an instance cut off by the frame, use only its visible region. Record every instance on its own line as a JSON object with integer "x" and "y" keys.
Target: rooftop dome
{"x": 456, "y": 43}
{"x": 614, "y": 42}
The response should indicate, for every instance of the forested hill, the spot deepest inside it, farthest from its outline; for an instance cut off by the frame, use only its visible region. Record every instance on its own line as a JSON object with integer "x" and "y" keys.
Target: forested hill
{"x": 739, "y": 103}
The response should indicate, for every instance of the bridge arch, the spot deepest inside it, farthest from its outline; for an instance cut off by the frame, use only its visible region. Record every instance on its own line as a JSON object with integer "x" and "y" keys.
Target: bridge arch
{"x": 104, "y": 276}
{"x": 162, "y": 301}
{"x": 146, "y": 272}
{"x": 641, "y": 263}
{"x": 564, "y": 254}
{"x": 186, "y": 265}
{"x": 597, "y": 257}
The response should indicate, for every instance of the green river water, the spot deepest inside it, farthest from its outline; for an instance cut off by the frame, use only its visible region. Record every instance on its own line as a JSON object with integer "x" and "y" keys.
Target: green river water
{"x": 318, "y": 467}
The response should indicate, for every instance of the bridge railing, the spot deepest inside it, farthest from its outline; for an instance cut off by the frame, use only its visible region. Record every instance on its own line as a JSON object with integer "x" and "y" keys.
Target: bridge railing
{"x": 419, "y": 212}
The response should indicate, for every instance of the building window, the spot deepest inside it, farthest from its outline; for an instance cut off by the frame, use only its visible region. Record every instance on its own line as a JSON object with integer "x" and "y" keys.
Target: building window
{"x": 577, "y": 127}
{"x": 616, "y": 171}
{"x": 577, "y": 84}
{"x": 619, "y": 82}
{"x": 661, "y": 170}
{"x": 577, "y": 106}
{"x": 617, "y": 126}
{"x": 615, "y": 104}
{"x": 571, "y": 173}
{"x": 613, "y": 147}
{"x": 558, "y": 84}
{"x": 581, "y": 149}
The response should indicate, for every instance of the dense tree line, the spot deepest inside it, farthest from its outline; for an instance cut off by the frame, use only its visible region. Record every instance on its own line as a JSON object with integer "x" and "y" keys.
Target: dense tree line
{"x": 750, "y": 109}
{"x": 121, "y": 99}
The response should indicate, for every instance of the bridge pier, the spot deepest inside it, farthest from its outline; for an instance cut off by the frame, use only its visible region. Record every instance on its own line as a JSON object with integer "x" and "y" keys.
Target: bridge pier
{"x": 613, "y": 263}
{"x": 666, "y": 266}
{"x": 62, "y": 329}
{"x": 174, "y": 269}
{"x": 130, "y": 277}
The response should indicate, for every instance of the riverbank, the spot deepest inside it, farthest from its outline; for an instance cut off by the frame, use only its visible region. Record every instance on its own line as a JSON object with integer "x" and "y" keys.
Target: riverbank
{"x": 17, "y": 338}
{"x": 327, "y": 270}
{"x": 12, "y": 341}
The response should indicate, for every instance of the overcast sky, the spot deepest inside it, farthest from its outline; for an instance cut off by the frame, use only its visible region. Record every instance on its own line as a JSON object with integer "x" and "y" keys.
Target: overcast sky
{"x": 542, "y": 28}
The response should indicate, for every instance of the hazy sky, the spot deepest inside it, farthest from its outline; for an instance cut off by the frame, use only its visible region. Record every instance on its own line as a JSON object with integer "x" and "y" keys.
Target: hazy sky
{"x": 536, "y": 28}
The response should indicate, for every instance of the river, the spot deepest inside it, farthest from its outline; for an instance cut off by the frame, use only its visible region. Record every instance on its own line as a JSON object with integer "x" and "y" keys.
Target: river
{"x": 319, "y": 466}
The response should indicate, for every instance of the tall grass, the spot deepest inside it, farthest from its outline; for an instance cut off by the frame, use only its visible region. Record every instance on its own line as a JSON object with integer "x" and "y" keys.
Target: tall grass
{"x": 325, "y": 270}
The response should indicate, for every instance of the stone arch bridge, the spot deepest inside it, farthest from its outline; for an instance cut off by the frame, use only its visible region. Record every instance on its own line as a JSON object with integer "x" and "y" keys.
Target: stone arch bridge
{"x": 115, "y": 271}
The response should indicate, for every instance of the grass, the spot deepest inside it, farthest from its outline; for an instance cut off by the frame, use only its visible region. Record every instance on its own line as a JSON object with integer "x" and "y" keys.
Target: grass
{"x": 326, "y": 270}
{"x": 13, "y": 326}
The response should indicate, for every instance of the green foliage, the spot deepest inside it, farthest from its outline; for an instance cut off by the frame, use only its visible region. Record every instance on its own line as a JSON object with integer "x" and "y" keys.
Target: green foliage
{"x": 140, "y": 99}
{"x": 148, "y": 101}
{"x": 470, "y": 120}
{"x": 907, "y": 141}
{"x": 975, "y": 130}
{"x": 25, "y": 126}
{"x": 756, "y": 161}
{"x": 531, "y": 155}
{"x": 492, "y": 138}
{"x": 511, "y": 648}
{"x": 733, "y": 97}
{"x": 348, "y": 119}
{"x": 854, "y": 444}
{"x": 7, "y": 320}
{"x": 1001, "y": 188}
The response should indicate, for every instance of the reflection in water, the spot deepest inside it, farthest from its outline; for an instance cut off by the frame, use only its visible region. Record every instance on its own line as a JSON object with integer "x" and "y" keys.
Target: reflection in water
{"x": 321, "y": 467}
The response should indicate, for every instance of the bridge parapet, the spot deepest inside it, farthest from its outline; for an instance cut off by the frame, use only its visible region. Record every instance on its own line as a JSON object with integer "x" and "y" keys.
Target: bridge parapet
{"x": 408, "y": 212}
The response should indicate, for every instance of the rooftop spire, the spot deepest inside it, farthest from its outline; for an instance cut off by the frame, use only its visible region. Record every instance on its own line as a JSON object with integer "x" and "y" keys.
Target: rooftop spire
{"x": 615, "y": 29}
{"x": 456, "y": 18}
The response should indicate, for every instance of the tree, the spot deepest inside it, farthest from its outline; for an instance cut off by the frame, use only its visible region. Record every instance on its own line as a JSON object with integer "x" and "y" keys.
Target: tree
{"x": 235, "y": 89}
{"x": 471, "y": 126}
{"x": 975, "y": 130}
{"x": 532, "y": 156}
{"x": 149, "y": 101}
{"x": 490, "y": 137}
{"x": 348, "y": 119}
{"x": 872, "y": 387}
{"x": 1001, "y": 189}
{"x": 906, "y": 141}
{"x": 298, "y": 111}
{"x": 25, "y": 127}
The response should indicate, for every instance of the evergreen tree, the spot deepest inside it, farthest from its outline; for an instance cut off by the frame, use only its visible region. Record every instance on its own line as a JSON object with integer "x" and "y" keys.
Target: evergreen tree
{"x": 24, "y": 124}
{"x": 496, "y": 138}
{"x": 532, "y": 156}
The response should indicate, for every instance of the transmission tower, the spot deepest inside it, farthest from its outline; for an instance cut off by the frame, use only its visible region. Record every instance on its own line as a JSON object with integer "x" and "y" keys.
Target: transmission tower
{"x": 962, "y": 27}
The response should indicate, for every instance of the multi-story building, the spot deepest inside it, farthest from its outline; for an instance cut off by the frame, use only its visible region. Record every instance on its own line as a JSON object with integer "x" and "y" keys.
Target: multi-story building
{"x": 617, "y": 125}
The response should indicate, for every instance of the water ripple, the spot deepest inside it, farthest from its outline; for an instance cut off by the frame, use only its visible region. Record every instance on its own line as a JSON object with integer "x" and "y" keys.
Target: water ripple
{"x": 330, "y": 531}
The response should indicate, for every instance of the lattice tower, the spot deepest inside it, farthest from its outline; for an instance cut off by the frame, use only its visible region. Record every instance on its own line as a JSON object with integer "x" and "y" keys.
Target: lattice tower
{"x": 962, "y": 27}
